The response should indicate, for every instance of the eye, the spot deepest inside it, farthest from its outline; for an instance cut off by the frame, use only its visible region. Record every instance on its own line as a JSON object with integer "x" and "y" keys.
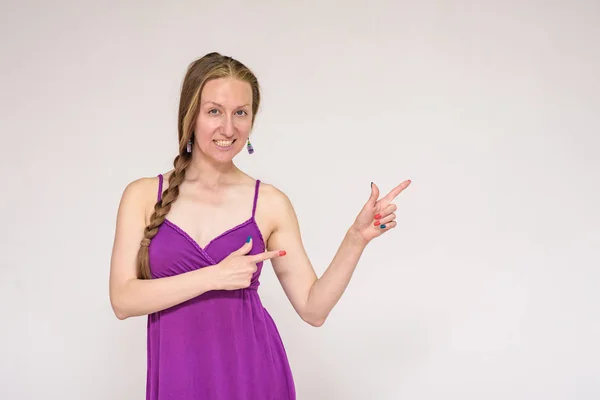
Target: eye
{"x": 242, "y": 111}
{"x": 211, "y": 111}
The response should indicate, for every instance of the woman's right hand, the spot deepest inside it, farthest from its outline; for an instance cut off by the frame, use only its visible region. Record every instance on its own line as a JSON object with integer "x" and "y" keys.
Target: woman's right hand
{"x": 236, "y": 270}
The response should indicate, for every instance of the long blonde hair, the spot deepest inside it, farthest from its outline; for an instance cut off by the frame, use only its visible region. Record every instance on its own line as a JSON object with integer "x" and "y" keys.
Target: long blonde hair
{"x": 211, "y": 66}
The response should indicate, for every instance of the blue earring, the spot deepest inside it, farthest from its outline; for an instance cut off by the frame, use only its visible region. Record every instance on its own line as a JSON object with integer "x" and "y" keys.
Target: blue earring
{"x": 249, "y": 147}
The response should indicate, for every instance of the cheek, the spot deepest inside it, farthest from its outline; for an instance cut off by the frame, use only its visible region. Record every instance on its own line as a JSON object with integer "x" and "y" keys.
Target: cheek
{"x": 206, "y": 126}
{"x": 244, "y": 126}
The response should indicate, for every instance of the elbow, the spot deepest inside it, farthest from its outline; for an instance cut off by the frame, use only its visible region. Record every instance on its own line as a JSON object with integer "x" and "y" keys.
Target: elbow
{"x": 121, "y": 316}
{"x": 314, "y": 320}
{"x": 119, "y": 312}
{"x": 120, "y": 303}
{"x": 118, "y": 309}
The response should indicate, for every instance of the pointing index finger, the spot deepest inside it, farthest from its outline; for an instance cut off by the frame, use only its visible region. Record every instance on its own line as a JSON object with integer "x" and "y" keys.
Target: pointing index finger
{"x": 267, "y": 255}
{"x": 397, "y": 190}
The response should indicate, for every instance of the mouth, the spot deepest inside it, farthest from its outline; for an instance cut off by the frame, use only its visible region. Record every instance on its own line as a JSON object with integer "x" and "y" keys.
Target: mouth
{"x": 224, "y": 144}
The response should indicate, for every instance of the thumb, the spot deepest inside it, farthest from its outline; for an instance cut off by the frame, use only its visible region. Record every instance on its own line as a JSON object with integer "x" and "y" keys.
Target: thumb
{"x": 244, "y": 249}
{"x": 374, "y": 195}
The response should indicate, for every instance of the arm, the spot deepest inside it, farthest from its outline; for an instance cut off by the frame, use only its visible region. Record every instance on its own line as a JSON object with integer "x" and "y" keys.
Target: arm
{"x": 129, "y": 295}
{"x": 312, "y": 298}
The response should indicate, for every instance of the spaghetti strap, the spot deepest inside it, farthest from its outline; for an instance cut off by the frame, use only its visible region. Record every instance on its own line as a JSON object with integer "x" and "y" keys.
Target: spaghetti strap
{"x": 255, "y": 197}
{"x": 160, "y": 185}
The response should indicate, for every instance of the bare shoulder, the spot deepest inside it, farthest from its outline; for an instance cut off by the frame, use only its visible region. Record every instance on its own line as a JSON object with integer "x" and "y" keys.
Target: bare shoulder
{"x": 277, "y": 204}
{"x": 272, "y": 196}
{"x": 281, "y": 223}
{"x": 139, "y": 196}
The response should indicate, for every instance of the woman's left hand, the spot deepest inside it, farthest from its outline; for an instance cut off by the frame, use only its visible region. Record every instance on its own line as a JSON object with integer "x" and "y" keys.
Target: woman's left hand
{"x": 377, "y": 216}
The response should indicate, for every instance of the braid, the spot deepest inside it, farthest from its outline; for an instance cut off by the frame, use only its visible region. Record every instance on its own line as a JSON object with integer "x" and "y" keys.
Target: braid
{"x": 161, "y": 209}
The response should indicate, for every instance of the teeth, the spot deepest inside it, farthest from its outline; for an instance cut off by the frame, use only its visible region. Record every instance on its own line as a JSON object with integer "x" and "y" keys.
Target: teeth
{"x": 223, "y": 143}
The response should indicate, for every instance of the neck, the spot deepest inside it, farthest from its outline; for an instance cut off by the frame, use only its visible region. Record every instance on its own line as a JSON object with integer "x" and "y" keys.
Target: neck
{"x": 206, "y": 172}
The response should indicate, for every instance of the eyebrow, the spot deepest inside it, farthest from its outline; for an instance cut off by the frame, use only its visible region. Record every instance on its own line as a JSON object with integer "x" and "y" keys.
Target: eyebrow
{"x": 217, "y": 104}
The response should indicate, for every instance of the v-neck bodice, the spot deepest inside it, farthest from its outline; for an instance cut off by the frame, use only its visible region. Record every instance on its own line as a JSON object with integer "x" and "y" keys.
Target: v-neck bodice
{"x": 175, "y": 251}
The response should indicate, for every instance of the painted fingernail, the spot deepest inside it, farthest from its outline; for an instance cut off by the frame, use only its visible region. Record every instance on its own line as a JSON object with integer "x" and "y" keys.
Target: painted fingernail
{"x": 382, "y": 226}
{"x": 248, "y": 239}
{"x": 376, "y": 223}
{"x": 282, "y": 253}
{"x": 378, "y": 216}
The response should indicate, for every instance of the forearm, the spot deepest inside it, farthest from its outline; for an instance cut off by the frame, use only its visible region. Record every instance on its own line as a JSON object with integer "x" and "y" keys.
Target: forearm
{"x": 141, "y": 297}
{"x": 328, "y": 289}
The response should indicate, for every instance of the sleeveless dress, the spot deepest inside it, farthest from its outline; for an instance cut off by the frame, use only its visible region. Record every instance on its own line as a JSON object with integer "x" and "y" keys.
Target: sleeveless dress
{"x": 223, "y": 344}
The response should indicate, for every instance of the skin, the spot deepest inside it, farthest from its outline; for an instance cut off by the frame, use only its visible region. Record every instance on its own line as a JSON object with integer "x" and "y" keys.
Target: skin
{"x": 216, "y": 196}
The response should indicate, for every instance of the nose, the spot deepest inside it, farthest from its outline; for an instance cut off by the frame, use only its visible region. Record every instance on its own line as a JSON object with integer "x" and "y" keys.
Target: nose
{"x": 228, "y": 127}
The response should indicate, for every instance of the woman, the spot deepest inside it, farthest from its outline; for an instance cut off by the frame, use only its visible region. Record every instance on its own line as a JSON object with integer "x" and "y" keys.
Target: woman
{"x": 190, "y": 244}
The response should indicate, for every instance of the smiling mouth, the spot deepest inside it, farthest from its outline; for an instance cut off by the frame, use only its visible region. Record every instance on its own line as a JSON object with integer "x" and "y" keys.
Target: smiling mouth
{"x": 224, "y": 143}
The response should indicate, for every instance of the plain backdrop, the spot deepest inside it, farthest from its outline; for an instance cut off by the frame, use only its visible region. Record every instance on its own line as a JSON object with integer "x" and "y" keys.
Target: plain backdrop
{"x": 487, "y": 289}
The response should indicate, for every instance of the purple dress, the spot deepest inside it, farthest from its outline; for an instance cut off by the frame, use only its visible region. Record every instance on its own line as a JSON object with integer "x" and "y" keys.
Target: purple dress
{"x": 222, "y": 344}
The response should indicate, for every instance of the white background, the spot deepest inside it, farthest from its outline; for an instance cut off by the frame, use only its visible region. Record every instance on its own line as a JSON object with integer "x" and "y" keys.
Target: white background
{"x": 487, "y": 289}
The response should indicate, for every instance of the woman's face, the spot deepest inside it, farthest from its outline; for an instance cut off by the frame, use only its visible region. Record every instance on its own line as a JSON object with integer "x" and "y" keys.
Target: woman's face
{"x": 224, "y": 120}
